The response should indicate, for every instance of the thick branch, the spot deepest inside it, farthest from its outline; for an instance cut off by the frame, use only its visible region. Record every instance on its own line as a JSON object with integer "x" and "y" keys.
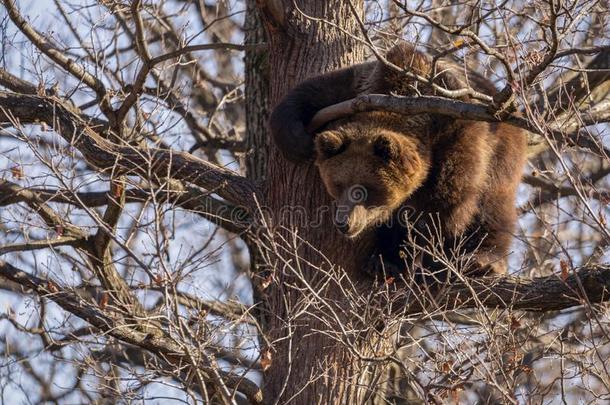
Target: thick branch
{"x": 452, "y": 108}
{"x": 587, "y": 285}
{"x": 230, "y": 217}
{"x": 69, "y": 235}
{"x": 550, "y": 191}
{"x": 129, "y": 160}
{"x": 582, "y": 89}
{"x": 412, "y": 105}
{"x": 12, "y": 193}
{"x": 16, "y": 84}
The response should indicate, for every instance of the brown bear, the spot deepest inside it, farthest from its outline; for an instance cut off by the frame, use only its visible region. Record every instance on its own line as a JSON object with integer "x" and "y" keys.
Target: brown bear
{"x": 423, "y": 182}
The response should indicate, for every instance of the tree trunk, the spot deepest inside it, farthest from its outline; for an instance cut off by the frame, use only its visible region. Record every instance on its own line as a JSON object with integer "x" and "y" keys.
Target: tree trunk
{"x": 307, "y": 366}
{"x": 257, "y": 94}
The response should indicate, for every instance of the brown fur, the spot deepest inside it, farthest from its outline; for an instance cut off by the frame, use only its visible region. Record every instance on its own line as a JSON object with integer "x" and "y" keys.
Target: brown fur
{"x": 392, "y": 161}
{"x": 461, "y": 175}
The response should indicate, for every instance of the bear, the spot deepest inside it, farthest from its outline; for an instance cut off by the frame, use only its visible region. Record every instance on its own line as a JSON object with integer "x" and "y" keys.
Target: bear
{"x": 425, "y": 181}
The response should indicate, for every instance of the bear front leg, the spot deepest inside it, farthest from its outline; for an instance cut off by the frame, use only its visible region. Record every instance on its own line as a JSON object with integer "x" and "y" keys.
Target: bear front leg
{"x": 459, "y": 175}
{"x": 289, "y": 119}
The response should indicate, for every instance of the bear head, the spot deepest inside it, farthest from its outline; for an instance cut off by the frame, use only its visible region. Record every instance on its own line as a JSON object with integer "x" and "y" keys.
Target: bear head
{"x": 369, "y": 170}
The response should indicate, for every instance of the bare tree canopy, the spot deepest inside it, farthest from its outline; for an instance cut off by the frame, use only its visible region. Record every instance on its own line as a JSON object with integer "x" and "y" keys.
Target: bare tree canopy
{"x": 156, "y": 246}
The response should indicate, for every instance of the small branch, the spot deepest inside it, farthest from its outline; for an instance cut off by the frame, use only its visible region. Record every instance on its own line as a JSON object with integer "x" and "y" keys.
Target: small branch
{"x": 140, "y": 40}
{"x": 551, "y": 54}
{"x": 42, "y": 244}
{"x": 142, "y": 51}
{"x": 591, "y": 50}
{"x": 115, "y": 201}
{"x": 59, "y": 57}
{"x": 199, "y": 47}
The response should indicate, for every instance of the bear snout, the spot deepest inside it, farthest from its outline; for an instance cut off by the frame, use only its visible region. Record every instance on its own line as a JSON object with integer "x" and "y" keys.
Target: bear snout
{"x": 342, "y": 219}
{"x": 350, "y": 220}
{"x": 343, "y": 227}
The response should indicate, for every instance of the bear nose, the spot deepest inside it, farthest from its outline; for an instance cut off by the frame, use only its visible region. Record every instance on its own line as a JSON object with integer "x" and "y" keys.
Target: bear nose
{"x": 342, "y": 226}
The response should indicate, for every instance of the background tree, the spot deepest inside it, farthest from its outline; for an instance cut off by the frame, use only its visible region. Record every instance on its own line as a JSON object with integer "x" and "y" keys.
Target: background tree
{"x": 155, "y": 245}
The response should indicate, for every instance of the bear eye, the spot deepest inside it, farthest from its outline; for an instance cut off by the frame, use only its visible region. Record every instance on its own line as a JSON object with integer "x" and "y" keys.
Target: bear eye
{"x": 330, "y": 144}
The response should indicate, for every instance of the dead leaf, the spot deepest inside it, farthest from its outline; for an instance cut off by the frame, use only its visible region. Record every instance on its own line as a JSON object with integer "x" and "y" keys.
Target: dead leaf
{"x": 266, "y": 360}
{"x": 267, "y": 282}
{"x": 563, "y": 265}
{"x": 118, "y": 190}
{"x": 158, "y": 279}
{"x": 103, "y": 300}
{"x": 17, "y": 172}
{"x": 52, "y": 287}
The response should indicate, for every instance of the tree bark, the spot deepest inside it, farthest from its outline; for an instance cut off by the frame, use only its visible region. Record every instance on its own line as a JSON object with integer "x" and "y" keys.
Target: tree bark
{"x": 307, "y": 368}
{"x": 256, "y": 63}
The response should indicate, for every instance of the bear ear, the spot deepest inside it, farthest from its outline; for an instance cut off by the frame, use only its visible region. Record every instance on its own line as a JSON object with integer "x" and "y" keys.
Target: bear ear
{"x": 386, "y": 148}
{"x": 329, "y": 144}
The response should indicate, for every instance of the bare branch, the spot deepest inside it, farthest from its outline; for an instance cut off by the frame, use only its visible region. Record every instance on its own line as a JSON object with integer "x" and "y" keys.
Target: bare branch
{"x": 198, "y": 47}
{"x": 582, "y": 89}
{"x": 10, "y": 192}
{"x": 15, "y": 84}
{"x": 566, "y": 134}
{"x": 41, "y": 244}
{"x": 59, "y": 57}
{"x": 586, "y": 285}
{"x": 412, "y": 105}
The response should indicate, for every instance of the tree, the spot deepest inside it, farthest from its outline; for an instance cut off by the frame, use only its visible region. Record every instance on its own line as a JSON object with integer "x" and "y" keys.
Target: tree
{"x": 121, "y": 278}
